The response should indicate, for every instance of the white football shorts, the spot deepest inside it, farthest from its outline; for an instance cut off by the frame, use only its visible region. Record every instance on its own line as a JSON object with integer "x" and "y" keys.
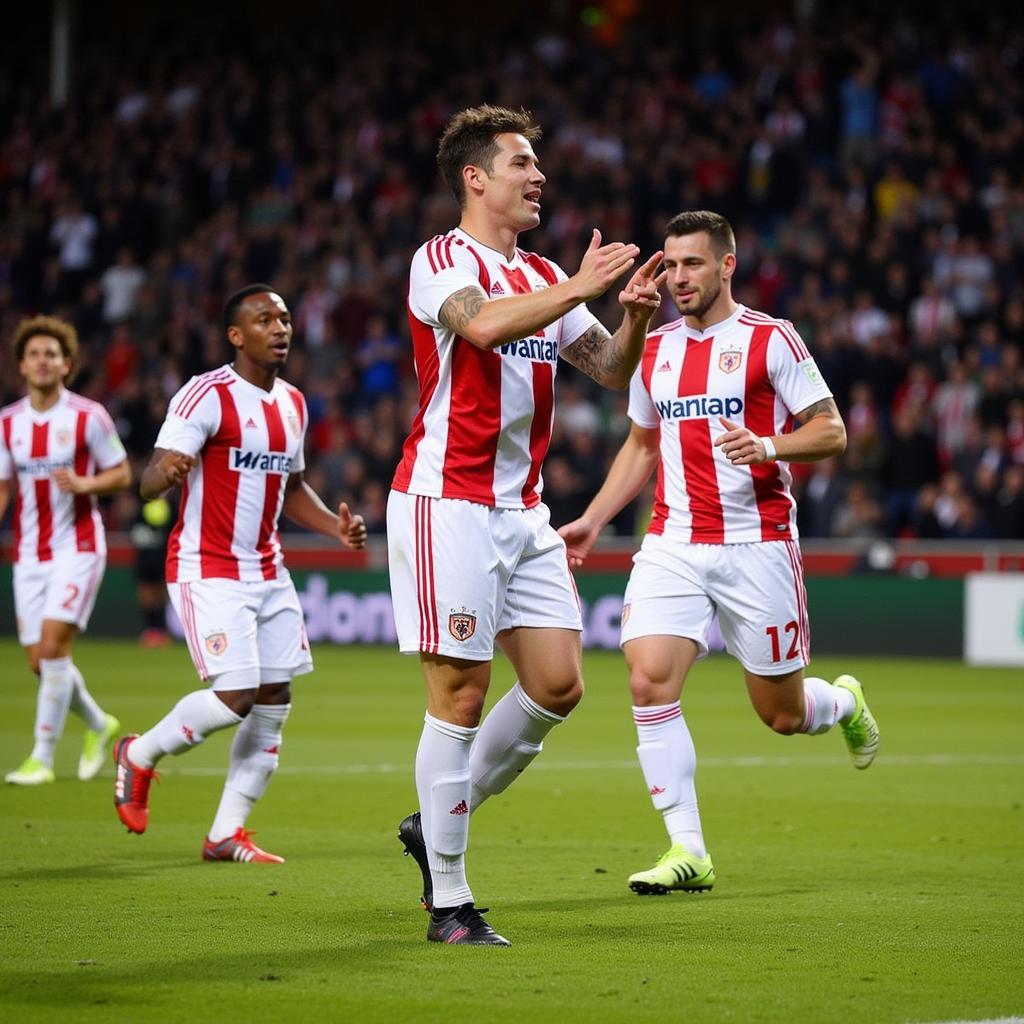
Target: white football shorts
{"x": 236, "y": 630}
{"x": 756, "y": 589}
{"x": 63, "y": 589}
{"x": 462, "y": 572}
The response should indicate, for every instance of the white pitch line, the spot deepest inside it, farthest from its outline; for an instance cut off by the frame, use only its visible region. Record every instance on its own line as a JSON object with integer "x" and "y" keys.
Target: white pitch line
{"x": 552, "y": 765}
{"x": 999, "y": 1020}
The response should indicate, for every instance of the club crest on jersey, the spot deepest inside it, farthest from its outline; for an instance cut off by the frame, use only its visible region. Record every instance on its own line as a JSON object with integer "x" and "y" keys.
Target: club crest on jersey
{"x": 63, "y": 438}
{"x": 462, "y": 624}
{"x": 293, "y": 424}
{"x": 730, "y": 360}
{"x": 217, "y": 643}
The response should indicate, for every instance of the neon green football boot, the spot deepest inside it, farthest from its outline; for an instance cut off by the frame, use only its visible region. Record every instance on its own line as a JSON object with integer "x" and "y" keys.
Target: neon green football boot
{"x": 32, "y": 772}
{"x": 860, "y": 730}
{"x": 676, "y": 871}
{"x": 94, "y": 748}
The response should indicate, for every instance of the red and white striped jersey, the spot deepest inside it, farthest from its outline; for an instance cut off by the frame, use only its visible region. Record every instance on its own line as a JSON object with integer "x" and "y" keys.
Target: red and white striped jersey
{"x": 75, "y": 433}
{"x": 247, "y": 441}
{"x": 484, "y": 420}
{"x": 756, "y": 372}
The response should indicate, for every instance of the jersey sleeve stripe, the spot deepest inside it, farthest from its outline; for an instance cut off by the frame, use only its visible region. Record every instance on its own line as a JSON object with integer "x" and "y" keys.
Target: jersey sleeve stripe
{"x": 204, "y": 381}
{"x": 430, "y": 255}
{"x": 211, "y": 383}
{"x": 448, "y": 254}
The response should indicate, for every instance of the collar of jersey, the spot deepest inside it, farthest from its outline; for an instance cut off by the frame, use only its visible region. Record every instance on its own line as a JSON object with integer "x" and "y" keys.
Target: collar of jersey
{"x": 47, "y": 413}
{"x": 265, "y": 395}
{"x": 470, "y": 240}
{"x": 716, "y": 328}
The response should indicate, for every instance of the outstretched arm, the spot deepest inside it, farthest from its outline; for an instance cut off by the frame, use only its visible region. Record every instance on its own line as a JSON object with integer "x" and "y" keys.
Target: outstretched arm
{"x": 610, "y": 359}
{"x": 821, "y": 434}
{"x": 302, "y": 505}
{"x": 487, "y": 322}
{"x": 107, "y": 481}
{"x": 631, "y": 469}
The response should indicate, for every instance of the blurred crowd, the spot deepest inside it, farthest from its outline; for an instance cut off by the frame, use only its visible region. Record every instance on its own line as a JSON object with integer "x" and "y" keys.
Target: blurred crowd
{"x": 873, "y": 174}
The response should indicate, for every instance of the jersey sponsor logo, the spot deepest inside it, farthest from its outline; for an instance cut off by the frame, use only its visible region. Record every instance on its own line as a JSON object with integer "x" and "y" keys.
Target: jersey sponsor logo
{"x": 537, "y": 350}
{"x": 41, "y": 468}
{"x": 697, "y": 407}
{"x": 462, "y": 624}
{"x": 259, "y": 462}
{"x": 730, "y": 360}
{"x": 217, "y": 643}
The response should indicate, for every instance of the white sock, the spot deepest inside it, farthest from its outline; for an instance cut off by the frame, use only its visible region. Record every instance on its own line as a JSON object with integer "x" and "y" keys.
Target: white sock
{"x": 510, "y": 738}
{"x": 83, "y": 704}
{"x": 669, "y": 763}
{"x": 52, "y": 702}
{"x": 255, "y": 753}
{"x": 825, "y": 705}
{"x": 442, "y": 782}
{"x": 190, "y": 721}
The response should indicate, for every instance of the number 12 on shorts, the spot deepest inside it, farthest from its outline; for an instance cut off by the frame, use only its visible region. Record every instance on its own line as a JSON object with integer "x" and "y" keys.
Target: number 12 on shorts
{"x": 773, "y": 635}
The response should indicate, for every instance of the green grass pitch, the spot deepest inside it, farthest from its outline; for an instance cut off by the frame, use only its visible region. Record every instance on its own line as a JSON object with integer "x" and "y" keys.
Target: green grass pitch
{"x": 891, "y": 895}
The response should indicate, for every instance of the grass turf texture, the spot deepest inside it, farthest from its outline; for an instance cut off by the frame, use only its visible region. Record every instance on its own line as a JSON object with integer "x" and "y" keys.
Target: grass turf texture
{"x": 894, "y": 894}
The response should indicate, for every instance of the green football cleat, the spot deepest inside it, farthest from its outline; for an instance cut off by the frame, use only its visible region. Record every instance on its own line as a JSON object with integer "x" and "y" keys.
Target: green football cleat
{"x": 676, "y": 871}
{"x": 94, "y": 749}
{"x": 31, "y": 773}
{"x": 860, "y": 730}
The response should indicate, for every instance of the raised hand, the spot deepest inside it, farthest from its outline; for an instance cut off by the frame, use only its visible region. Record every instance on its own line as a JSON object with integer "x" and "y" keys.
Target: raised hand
{"x": 641, "y": 297}
{"x": 351, "y": 528}
{"x": 602, "y": 264}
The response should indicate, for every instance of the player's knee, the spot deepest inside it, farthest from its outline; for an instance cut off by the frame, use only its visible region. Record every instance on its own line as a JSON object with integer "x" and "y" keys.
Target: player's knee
{"x": 645, "y": 687}
{"x": 783, "y": 722}
{"x": 239, "y": 701}
{"x": 466, "y": 708}
{"x": 562, "y": 694}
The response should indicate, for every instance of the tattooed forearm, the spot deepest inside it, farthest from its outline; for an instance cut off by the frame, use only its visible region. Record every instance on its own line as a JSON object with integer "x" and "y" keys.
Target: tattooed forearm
{"x": 461, "y": 307}
{"x": 599, "y": 355}
{"x": 826, "y": 407}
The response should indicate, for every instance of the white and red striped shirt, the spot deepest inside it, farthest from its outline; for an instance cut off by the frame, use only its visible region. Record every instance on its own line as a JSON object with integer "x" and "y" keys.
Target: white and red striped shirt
{"x": 247, "y": 441}
{"x": 751, "y": 369}
{"x": 75, "y": 433}
{"x": 484, "y": 420}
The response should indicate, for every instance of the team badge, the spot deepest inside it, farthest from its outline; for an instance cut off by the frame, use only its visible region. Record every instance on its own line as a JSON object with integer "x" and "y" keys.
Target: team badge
{"x": 293, "y": 423}
{"x": 730, "y": 360}
{"x": 217, "y": 643}
{"x": 63, "y": 438}
{"x": 462, "y": 625}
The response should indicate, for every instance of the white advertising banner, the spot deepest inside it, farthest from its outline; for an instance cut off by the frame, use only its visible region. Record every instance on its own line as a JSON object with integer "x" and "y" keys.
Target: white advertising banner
{"x": 994, "y": 618}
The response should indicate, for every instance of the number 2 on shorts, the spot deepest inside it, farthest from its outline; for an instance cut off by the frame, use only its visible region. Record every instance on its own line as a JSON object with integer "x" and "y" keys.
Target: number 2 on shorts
{"x": 72, "y": 593}
{"x": 773, "y": 635}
